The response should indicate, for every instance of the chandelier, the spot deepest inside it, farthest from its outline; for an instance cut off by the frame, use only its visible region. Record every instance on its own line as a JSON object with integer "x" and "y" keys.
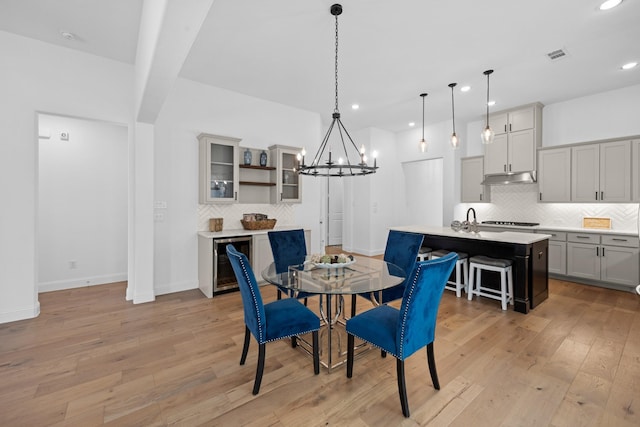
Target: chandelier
{"x": 337, "y": 163}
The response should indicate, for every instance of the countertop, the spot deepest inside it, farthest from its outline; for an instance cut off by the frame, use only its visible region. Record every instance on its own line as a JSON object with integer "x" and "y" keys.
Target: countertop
{"x": 543, "y": 227}
{"x": 242, "y": 232}
{"x": 514, "y": 237}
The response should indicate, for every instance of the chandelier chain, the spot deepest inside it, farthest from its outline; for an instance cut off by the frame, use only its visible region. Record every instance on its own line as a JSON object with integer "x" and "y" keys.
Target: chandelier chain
{"x": 336, "y": 67}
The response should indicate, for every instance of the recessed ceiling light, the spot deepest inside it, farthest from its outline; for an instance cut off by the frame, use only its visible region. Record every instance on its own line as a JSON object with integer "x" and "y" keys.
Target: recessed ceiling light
{"x": 465, "y": 88}
{"x": 355, "y": 106}
{"x": 629, "y": 65}
{"x": 412, "y": 124}
{"x": 609, "y": 4}
{"x": 67, "y": 35}
{"x": 491, "y": 103}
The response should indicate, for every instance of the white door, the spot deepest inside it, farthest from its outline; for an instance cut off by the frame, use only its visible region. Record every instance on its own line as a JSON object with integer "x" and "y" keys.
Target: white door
{"x": 335, "y": 208}
{"x": 424, "y": 192}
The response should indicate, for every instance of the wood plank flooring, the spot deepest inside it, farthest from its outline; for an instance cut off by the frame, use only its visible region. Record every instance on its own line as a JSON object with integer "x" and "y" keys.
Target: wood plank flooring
{"x": 91, "y": 358}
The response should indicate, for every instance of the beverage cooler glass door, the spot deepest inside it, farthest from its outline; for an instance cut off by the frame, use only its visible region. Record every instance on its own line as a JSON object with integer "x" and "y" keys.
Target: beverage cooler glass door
{"x": 224, "y": 279}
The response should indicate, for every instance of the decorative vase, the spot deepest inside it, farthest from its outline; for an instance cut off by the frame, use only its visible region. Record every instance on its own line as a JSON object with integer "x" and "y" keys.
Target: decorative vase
{"x": 263, "y": 159}
{"x": 247, "y": 157}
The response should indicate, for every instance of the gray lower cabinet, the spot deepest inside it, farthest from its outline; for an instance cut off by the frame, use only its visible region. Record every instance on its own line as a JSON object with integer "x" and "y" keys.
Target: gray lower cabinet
{"x": 608, "y": 258}
{"x": 557, "y": 251}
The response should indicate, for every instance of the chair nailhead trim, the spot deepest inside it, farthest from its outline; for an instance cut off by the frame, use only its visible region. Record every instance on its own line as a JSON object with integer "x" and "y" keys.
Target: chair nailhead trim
{"x": 255, "y": 304}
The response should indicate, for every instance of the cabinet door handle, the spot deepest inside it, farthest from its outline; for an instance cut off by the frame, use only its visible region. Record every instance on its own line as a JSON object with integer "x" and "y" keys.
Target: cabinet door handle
{"x": 480, "y": 196}
{"x": 596, "y": 195}
{"x": 504, "y": 167}
{"x": 619, "y": 240}
{"x": 603, "y": 251}
{"x": 509, "y": 127}
{"x": 602, "y": 195}
{"x": 509, "y": 167}
{"x": 582, "y": 237}
{"x": 280, "y": 196}
{"x": 505, "y": 128}
{"x": 540, "y": 196}
{"x": 597, "y": 251}
{"x": 235, "y": 195}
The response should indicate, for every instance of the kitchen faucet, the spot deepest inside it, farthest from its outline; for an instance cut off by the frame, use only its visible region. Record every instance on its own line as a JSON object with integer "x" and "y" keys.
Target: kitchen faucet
{"x": 474, "y": 214}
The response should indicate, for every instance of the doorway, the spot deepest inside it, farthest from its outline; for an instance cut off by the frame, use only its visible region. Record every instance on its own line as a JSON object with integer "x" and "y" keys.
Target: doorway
{"x": 82, "y": 202}
{"x": 335, "y": 213}
{"x": 424, "y": 192}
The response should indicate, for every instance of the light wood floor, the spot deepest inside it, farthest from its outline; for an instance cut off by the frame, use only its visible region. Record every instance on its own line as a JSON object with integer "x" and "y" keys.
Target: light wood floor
{"x": 91, "y": 358}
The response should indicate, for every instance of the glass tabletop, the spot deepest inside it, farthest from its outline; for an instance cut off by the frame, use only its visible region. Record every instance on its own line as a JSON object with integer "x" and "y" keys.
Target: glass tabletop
{"x": 364, "y": 275}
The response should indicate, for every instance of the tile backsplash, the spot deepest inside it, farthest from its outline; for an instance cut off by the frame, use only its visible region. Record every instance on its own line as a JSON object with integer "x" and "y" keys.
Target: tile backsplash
{"x": 232, "y": 214}
{"x": 518, "y": 202}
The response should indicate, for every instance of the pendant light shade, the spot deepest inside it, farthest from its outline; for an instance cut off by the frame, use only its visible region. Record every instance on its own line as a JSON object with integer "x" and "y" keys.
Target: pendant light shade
{"x": 343, "y": 166}
{"x": 455, "y": 141}
{"x": 487, "y": 133}
{"x": 423, "y": 142}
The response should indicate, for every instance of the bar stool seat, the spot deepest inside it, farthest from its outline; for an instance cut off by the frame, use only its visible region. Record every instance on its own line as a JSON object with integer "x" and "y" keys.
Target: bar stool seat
{"x": 462, "y": 277}
{"x": 502, "y": 266}
{"x": 424, "y": 253}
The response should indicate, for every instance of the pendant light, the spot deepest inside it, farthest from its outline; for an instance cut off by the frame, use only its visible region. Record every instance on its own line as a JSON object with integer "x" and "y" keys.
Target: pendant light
{"x": 487, "y": 133}
{"x": 344, "y": 166}
{"x": 455, "y": 141}
{"x": 423, "y": 142}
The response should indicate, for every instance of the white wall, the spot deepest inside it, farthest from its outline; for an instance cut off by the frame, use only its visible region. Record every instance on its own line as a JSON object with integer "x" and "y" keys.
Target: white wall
{"x": 35, "y": 76}
{"x": 604, "y": 115}
{"x": 82, "y": 205}
{"x": 193, "y": 108}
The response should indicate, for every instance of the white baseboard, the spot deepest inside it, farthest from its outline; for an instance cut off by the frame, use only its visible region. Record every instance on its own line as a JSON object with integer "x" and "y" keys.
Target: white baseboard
{"x": 20, "y": 314}
{"x": 170, "y": 288}
{"x": 58, "y": 285}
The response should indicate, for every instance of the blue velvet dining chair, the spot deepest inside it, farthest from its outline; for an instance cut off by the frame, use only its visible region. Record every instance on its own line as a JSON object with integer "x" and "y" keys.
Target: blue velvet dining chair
{"x": 402, "y": 250}
{"x": 403, "y": 332}
{"x": 270, "y": 322}
{"x": 288, "y": 248}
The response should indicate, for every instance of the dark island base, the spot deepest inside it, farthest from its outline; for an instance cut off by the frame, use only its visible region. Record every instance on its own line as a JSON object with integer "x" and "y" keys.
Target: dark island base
{"x": 530, "y": 265}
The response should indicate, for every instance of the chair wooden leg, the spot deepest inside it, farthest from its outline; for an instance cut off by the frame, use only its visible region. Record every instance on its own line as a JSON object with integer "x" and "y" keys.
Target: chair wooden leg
{"x": 353, "y": 305}
{"x": 432, "y": 366}
{"x": 316, "y": 353}
{"x": 402, "y": 387}
{"x": 294, "y": 341}
{"x": 350, "y": 342}
{"x": 245, "y": 348}
{"x": 279, "y": 294}
{"x": 383, "y": 353}
{"x": 259, "y": 369}
{"x": 305, "y": 302}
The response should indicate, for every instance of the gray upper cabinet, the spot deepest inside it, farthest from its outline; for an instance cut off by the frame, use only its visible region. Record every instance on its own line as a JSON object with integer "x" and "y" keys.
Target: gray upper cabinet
{"x": 218, "y": 169}
{"x": 635, "y": 170}
{"x": 288, "y": 187}
{"x": 517, "y": 136}
{"x": 601, "y": 172}
{"x": 472, "y": 172}
{"x": 554, "y": 175}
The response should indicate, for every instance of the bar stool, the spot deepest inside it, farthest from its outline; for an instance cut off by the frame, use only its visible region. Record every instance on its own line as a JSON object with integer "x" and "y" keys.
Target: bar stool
{"x": 502, "y": 266}
{"x": 424, "y": 253}
{"x": 461, "y": 279}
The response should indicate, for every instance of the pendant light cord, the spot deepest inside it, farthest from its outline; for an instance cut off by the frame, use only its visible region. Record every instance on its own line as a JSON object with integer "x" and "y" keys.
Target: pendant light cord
{"x": 423, "y": 96}
{"x": 488, "y": 74}
{"x": 453, "y": 109}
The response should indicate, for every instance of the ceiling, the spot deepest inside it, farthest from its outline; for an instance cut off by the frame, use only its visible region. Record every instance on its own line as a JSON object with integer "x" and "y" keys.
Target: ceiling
{"x": 389, "y": 52}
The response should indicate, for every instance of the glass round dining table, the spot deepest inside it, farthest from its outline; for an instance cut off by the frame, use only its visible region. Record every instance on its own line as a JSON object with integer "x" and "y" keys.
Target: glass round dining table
{"x": 363, "y": 276}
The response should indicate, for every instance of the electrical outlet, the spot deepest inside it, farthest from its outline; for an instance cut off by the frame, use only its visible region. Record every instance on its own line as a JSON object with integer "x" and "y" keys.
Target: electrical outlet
{"x": 158, "y": 217}
{"x": 64, "y": 136}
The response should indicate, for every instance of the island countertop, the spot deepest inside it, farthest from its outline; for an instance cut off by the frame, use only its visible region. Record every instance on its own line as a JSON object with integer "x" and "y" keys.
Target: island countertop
{"x": 488, "y": 236}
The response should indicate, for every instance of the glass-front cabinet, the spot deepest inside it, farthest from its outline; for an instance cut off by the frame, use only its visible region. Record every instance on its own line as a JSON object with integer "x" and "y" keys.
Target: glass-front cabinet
{"x": 218, "y": 169}
{"x": 288, "y": 187}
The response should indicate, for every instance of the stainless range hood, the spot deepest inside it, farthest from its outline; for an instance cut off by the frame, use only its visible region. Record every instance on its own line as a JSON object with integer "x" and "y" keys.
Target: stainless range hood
{"x": 510, "y": 178}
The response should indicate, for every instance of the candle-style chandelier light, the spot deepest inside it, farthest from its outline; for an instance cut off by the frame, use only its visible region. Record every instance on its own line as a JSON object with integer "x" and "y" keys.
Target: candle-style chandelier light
{"x": 337, "y": 163}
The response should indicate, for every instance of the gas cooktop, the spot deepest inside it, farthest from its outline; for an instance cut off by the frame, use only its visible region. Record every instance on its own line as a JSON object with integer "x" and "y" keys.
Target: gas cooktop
{"x": 516, "y": 223}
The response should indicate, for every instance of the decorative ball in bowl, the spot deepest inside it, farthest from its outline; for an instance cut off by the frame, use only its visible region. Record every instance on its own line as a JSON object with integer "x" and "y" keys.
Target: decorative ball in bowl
{"x": 331, "y": 261}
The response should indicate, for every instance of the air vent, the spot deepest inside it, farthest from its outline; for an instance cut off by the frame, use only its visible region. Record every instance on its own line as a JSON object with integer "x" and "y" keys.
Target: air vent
{"x": 557, "y": 54}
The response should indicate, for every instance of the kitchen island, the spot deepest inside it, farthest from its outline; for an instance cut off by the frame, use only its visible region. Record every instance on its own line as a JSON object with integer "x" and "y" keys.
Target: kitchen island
{"x": 528, "y": 252}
